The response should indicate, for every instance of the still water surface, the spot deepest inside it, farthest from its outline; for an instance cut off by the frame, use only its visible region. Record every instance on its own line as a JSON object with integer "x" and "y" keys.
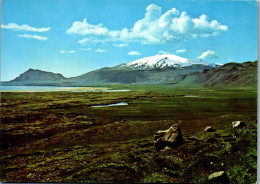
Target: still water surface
{"x": 56, "y": 88}
{"x": 35, "y": 88}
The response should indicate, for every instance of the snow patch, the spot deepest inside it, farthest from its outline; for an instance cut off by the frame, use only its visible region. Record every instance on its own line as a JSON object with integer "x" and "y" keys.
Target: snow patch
{"x": 162, "y": 61}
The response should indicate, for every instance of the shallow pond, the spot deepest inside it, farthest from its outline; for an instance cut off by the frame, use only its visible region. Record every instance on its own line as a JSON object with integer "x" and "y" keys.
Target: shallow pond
{"x": 58, "y": 88}
{"x": 191, "y": 96}
{"x": 111, "y": 105}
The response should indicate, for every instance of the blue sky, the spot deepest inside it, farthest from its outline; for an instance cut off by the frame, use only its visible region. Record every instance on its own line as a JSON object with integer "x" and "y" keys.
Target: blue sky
{"x": 73, "y": 37}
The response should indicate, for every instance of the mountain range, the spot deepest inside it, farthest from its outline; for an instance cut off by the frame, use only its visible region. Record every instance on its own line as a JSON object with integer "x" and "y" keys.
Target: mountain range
{"x": 158, "y": 69}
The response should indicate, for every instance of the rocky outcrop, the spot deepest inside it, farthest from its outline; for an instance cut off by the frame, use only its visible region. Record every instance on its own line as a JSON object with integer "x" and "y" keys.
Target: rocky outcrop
{"x": 238, "y": 124}
{"x": 219, "y": 177}
{"x": 170, "y": 138}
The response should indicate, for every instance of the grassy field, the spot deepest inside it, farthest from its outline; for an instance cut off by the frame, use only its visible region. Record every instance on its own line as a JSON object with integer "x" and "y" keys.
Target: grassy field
{"x": 60, "y": 137}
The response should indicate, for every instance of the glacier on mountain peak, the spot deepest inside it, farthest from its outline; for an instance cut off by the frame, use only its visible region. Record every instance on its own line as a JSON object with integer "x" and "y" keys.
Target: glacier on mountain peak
{"x": 163, "y": 61}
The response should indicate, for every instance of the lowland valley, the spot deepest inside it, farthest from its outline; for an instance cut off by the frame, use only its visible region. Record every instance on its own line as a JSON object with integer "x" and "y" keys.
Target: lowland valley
{"x": 101, "y": 136}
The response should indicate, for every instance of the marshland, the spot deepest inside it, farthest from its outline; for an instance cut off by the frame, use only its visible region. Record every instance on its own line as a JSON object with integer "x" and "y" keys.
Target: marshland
{"x": 60, "y": 137}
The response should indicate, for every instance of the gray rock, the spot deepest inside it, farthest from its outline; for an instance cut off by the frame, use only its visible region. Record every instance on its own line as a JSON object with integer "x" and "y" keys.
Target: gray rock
{"x": 209, "y": 129}
{"x": 238, "y": 124}
{"x": 171, "y": 138}
{"x": 219, "y": 177}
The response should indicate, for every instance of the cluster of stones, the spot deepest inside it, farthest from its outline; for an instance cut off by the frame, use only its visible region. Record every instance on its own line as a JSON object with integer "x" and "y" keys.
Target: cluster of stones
{"x": 172, "y": 137}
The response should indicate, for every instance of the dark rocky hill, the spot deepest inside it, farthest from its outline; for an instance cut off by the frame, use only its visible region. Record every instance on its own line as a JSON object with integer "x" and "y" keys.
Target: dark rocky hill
{"x": 229, "y": 75}
{"x": 36, "y": 77}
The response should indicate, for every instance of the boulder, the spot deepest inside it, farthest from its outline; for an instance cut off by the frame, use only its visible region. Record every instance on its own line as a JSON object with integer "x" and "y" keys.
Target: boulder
{"x": 171, "y": 138}
{"x": 219, "y": 177}
{"x": 238, "y": 124}
{"x": 209, "y": 129}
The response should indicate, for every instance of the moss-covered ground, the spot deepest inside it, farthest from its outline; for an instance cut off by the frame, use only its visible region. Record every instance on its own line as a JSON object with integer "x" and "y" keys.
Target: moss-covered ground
{"x": 60, "y": 137}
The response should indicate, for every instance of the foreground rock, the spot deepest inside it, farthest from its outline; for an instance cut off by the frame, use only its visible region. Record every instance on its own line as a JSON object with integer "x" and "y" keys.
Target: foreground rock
{"x": 238, "y": 124}
{"x": 209, "y": 129}
{"x": 171, "y": 138}
{"x": 219, "y": 177}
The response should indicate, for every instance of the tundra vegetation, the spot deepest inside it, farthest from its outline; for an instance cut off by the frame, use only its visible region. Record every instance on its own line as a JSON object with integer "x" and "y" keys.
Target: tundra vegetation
{"x": 60, "y": 137}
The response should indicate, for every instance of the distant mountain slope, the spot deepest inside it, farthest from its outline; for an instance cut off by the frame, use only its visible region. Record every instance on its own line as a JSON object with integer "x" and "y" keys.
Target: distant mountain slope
{"x": 138, "y": 76}
{"x": 229, "y": 75}
{"x": 36, "y": 77}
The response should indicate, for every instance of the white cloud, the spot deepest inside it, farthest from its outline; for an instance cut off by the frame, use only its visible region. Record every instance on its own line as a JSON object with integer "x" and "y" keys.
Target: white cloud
{"x": 206, "y": 28}
{"x": 84, "y": 28}
{"x": 121, "y": 45}
{"x": 64, "y": 52}
{"x": 163, "y": 52}
{"x": 100, "y": 50}
{"x": 209, "y": 54}
{"x": 134, "y": 53}
{"x": 24, "y": 27}
{"x": 93, "y": 40}
{"x": 155, "y": 28}
{"x": 88, "y": 49}
{"x": 84, "y": 41}
{"x": 37, "y": 37}
{"x": 181, "y": 50}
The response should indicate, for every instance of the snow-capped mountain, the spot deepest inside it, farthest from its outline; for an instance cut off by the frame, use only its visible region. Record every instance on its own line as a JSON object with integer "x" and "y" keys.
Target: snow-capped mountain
{"x": 163, "y": 61}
